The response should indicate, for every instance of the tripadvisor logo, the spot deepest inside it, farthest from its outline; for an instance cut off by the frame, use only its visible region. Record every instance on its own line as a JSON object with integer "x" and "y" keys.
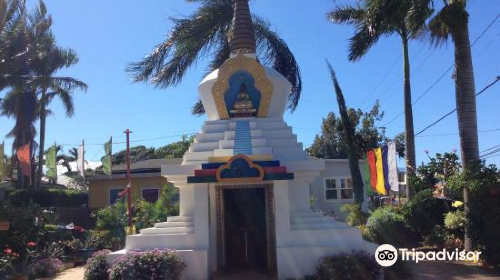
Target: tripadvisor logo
{"x": 387, "y": 255}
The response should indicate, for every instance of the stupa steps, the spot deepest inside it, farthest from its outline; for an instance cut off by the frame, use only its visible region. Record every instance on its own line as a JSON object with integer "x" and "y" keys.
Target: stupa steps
{"x": 173, "y": 224}
{"x": 167, "y": 230}
{"x": 184, "y": 241}
{"x": 180, "y": 219}
{"x": 224, "y": 144}
{"x": 313, "y": 221}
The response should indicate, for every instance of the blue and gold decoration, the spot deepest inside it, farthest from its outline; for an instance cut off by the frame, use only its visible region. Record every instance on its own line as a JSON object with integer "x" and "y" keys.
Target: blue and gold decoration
{"x": 240, "y": 169}
{"x": 242, "y": 89}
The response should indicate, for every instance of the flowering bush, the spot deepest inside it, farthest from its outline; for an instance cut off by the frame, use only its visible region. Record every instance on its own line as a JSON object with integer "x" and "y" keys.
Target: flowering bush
{"x": 8, "y": 257}
{"x": 150, "y": 265}
{"x": 47, "y": 267}
{"x": 356, "y": 265}
{"x": 97, "y": 267}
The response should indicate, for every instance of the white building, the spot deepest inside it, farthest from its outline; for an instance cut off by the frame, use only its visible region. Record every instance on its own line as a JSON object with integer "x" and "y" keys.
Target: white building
{"x": 245, "y": 182}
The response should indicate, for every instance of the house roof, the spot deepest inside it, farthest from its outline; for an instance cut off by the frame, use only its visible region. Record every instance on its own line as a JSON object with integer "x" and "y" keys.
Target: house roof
{"x": 148, "y": 164}
{"x": 150, "y": 167}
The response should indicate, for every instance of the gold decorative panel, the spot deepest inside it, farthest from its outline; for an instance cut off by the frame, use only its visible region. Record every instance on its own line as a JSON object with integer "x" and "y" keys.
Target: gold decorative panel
{"x": 232, "y": 65}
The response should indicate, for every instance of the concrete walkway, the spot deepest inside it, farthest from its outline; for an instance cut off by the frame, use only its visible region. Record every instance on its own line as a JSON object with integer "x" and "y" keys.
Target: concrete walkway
{"x": 69, "y": 274}
{"x": 421, "y": 271}
{"x": 436, "y": 270}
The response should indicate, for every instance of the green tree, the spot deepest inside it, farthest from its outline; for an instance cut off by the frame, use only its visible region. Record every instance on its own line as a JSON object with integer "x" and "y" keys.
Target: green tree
{"x": 206, "y": 32}
{"x": 349, "y": 131}
{"x": 12, "y": 54}
{"x": 332, "y": 142}
{"x": 20, "y": 100}
{"x": 375, "y": 18}
{"x": 453, "y": 20}
{"x": 51, "y": 58}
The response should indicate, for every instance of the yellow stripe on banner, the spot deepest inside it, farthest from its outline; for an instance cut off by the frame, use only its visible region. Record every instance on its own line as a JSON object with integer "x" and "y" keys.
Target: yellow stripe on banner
{"x": 227, "y": 158}
{"x": 380, "y": 172}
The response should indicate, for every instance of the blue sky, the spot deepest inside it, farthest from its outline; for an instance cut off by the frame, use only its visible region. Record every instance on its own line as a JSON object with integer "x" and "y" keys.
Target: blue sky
{"x": 108, "y": 35}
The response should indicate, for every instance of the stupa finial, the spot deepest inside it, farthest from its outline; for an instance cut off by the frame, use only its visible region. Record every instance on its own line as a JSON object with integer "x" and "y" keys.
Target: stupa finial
{"x": 242, "y": 38}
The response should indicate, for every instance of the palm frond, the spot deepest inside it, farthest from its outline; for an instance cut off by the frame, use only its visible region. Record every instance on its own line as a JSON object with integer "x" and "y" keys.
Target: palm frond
{"x": 346, "y": 14}
{"x": 361, "y": 42}
{"x": 189, "y": 40}
{"x": 198, "y": 108}
{"x": 276, "y": 53}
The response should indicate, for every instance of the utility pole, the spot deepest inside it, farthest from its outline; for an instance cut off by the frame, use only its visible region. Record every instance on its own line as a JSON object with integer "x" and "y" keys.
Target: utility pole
{"x": 129, "y": 185}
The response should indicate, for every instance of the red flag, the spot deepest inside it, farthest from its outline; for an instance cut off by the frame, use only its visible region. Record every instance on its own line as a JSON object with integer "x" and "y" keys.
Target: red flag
{"x": 23, "y": 156}
{"x": 373, "y": 170}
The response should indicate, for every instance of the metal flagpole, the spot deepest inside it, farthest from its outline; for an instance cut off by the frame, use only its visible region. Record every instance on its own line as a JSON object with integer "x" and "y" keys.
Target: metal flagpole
{"x": 55, "y": 159}
{"x": 83, "y": 159}
{"x": 129, "y": 186}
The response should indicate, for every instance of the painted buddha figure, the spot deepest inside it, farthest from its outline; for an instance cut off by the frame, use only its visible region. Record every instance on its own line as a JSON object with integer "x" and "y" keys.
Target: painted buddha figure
{"x": 243, "y": 107}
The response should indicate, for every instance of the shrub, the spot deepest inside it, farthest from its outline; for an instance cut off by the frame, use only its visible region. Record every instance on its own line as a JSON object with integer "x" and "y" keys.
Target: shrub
{"x": 97, "y": 266}
{"x": 356, "y": 217}
{"x": 47, "y": 267}
{"x": 147, "y": 214}
{"x": 455, "y": 220}
{"x": 399, "y": 270}
{"x": 150, "y": 265}
{"x": 484, "y": 216}
{"x": 387, "y": 225}
{"x": 49, "y": 197}
{"x": 424, "y": 212}
{"x": 354, "y": 265}
{"x": 110, "y": 224}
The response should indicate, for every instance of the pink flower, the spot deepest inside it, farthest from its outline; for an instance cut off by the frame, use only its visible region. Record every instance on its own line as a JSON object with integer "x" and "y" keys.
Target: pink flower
{"x": 7, "y": 251}
{"x": 31, "y": 244}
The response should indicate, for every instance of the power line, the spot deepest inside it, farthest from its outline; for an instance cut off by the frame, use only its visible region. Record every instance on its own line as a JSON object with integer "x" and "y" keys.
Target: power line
{"x": 489, "y": 149}
{"x": 456, "y": 133}
{"x": 139, "y": 140}
{"x": 446, "y": 72}
{"x": 454, "y": 110}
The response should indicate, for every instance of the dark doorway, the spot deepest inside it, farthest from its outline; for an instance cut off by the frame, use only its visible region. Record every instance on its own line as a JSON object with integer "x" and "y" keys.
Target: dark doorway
{"x": 245, "y": 228}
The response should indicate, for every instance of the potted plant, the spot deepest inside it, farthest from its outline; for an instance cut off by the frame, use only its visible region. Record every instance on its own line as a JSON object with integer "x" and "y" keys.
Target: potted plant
{"x": 11, "y": 261}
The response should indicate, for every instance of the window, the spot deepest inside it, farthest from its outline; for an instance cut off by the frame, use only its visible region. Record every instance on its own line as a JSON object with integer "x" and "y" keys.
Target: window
{"x": 331, "y": 189}
{"x": 338, "y": 189}
{"x": 346, "y": 191}
{"x": 113, "y": 195}
{"x": 151, "y": 194}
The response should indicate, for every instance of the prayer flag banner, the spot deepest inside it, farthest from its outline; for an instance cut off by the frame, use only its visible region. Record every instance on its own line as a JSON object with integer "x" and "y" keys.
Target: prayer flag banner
{"x": 393, "y": 167}
{"x": 385, "y": 164}
{"x": 106, "y": 160}
{"x": 2, "y": 161}
{"x": 23, "y": 157}
{"x": 80, "y": 160}
{"x": 380, "y": 172}
{"x": 368, "y": 187}
{"x": 373, "y": 170}
{"x": 50, "y": 162}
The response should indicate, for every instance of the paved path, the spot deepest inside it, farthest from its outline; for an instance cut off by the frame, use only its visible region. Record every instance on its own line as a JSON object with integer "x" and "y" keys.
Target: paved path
{"x": 436, "y": 270}
{"x": 69, "y": 274}
{"x": 421, "y": 271}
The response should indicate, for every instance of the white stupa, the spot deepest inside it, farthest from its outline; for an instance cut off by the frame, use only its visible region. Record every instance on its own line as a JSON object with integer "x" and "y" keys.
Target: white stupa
{"x": 244, "y": 183}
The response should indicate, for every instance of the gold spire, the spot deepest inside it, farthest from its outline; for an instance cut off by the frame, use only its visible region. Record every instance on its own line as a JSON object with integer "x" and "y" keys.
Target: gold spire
{"x": 242, "y": 39}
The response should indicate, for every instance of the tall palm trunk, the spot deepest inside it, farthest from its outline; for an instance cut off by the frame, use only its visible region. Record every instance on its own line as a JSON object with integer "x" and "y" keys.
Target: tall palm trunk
{"x": 465, "y": 93}
{"x": 42, "y": 138}
{"x": 409, "y": 131}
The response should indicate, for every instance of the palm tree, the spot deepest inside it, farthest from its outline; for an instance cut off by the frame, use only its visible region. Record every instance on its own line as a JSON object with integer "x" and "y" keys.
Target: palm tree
{"x": 206, "y": 32}
{"x": 374, "y": 18}
{"x": 13, "y": 50}
{"x": 49, "y": 60}
{"x": 357, "y": 180}
{"x": 64, "y": 159}
{"x": 453, "y": 20}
